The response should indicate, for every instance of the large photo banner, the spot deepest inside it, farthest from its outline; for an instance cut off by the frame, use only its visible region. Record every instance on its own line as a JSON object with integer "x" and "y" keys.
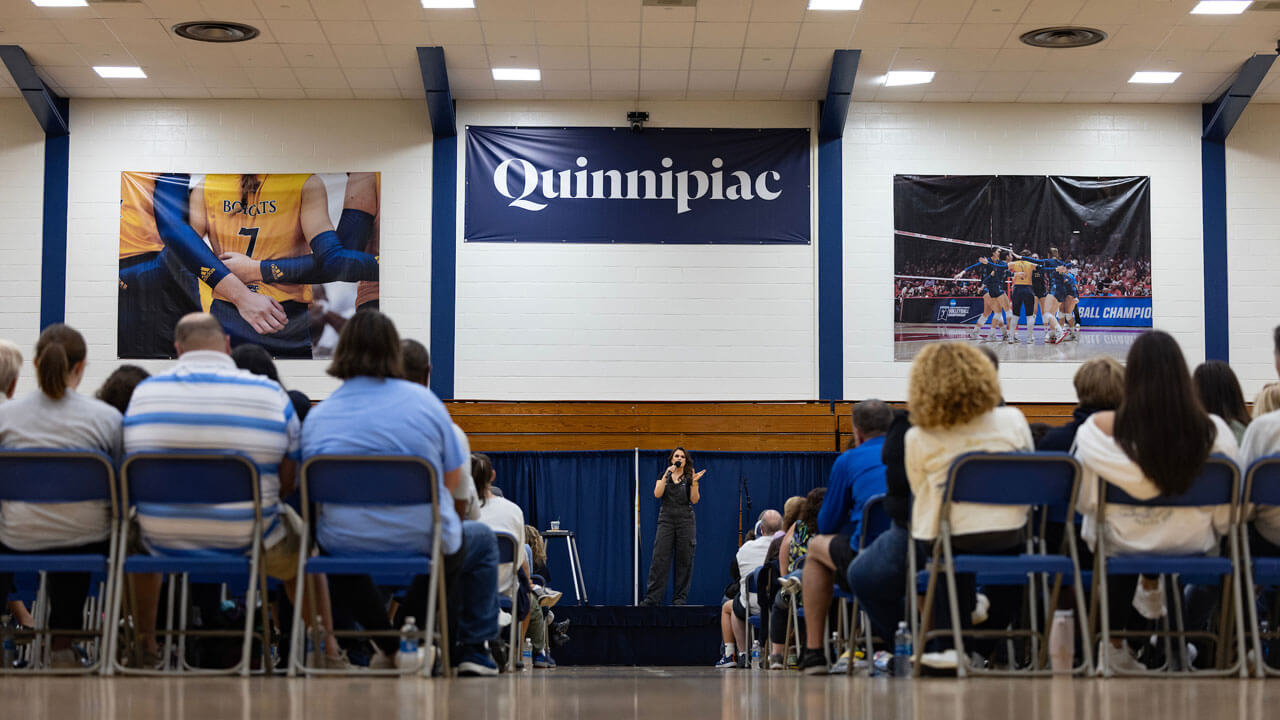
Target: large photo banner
{"x": 282, "y": 260}
{"x": 611, "y": 185}
{"x": 1043, "y": 268}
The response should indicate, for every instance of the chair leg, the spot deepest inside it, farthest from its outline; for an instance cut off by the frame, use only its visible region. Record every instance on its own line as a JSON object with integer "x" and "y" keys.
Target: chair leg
{"x": 962, "y": 658}
{"x": 517, "y": 647}
{"x": 268, "y": 667}
{"x": 182, "y": 622}
{"x": 168, "y": 624}
{"x": 1101, "y": 599}
{"x": 1242, "y": 653}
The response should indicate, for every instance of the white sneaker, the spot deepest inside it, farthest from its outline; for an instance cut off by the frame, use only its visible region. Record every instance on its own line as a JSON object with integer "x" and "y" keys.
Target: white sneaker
{"x": 945, "y": 660}
{"x": 1150, "y": 603}
{"x": 1120, "y": 659}
{"x": 980, "y": 610}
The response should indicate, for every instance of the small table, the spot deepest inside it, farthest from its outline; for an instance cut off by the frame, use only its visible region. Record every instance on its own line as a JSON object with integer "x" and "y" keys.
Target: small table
{"x": 575, "y": 564}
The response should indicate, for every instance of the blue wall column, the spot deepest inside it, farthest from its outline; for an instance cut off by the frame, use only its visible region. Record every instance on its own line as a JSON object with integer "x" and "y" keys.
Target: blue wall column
{"x": 830, "y": 256}
{"x": 444, "y": 216}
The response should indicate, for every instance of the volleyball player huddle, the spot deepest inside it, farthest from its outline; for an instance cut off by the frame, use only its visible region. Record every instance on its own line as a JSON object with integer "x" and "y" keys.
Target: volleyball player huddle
{"x": 1047, "y": 287}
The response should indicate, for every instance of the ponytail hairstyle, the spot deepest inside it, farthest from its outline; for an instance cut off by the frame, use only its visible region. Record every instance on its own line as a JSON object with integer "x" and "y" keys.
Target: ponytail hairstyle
{"x": 482, "y": 475}
{"x": 59, "y": 349}
{"x": 249, "y": 186}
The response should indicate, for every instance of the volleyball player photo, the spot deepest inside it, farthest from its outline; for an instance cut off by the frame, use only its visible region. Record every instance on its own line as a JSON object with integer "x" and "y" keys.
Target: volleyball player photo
{"x": 1042, "y": 268}
{"x": 282, "y": 260}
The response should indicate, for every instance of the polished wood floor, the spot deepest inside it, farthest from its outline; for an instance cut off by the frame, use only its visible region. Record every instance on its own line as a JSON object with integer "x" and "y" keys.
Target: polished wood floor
{"x": 639, "y": 693}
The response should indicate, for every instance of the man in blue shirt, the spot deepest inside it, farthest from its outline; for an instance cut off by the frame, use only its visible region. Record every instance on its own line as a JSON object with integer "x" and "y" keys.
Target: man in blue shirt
{"x": 856, "y": 476}
{"x": 375, "y": 412}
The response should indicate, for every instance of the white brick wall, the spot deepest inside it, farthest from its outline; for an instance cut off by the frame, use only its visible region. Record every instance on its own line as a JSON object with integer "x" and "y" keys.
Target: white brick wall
{"x": 21, "y": 195}
{"x": 110, "y": 136}
{"x": 881, "y": 140}
{"x": 653, "y": 322}
{"x": 1253, "y": 254}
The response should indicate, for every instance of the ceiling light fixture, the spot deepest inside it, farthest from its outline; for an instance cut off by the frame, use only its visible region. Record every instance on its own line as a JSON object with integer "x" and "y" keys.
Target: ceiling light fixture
{"x": 119, "y": 71}
{"x": 215, "y": 31}
{"x": 60, "y": 3}
{"x": 448, "y": 4}
{"x": 1154, "y": 78}
{"x": 908, "y": 77}
{"x": 835, "y": 4}
{"x": 1063, "y": 37}
{"x": 522, "y": 74}
{"x": 1221, "y": 7}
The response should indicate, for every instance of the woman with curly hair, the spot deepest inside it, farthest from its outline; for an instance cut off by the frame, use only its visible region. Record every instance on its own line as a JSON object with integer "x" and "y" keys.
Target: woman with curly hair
{"x": 954, "y": 396}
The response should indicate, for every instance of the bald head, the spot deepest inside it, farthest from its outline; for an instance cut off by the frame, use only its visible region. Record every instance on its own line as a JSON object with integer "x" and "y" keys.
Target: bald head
{"x": 200, "y": 331}
{"x": 770, "y": 522}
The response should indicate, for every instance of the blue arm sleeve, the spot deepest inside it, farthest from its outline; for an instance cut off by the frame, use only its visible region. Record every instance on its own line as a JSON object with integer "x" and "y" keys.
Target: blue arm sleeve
{"x": 836, "y": 503}
{"x": 977, "y": 264}
{"x": 328, "y": 262}
{"x": 171, "y": 208}
{"x": 353, "y": 229}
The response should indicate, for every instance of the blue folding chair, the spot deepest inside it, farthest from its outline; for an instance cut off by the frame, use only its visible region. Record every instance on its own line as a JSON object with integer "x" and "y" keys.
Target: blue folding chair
{"x": 753, "y": 621}
{"x": 509, "y": 552}
{"x": 1261, "y": 488}
{"x": 59, "y": 476}
{"x": 1218, "y": 485}
{"x": 178, "y": 483}
{"x": 364, "y": 480}
{"x": 1030, "y": 479}
{"x": 875, "y": 521}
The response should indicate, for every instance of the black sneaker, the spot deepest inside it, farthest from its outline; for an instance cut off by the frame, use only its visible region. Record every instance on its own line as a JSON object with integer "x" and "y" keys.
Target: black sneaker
{"x": 813, "y": 662}
{"x": 744, "y": 661}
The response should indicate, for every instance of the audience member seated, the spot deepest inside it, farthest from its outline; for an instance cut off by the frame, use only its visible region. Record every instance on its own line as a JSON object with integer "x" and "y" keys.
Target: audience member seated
{"x": 733, "y": 613}
{"x": 954, "y": 396}
{"x": 1266, "y": 401}
{"x": 206, "y": 403}
{"x": 1220, "y": 394}
{"x": 1261, "y": 439}
{"x": 56, "y": 416}
{"x": 1154, "y": 444}
{"x": 10, "y": 369}
{"x": 417, "y": 369}
{"x": 1099, "y": 386}
{"x": 258, "y": 361}
{"x": 118, "y": 388}
{"x": 792, "y": 549}
{"x": 375, "y": 412}
{"x": 769, "y": 579}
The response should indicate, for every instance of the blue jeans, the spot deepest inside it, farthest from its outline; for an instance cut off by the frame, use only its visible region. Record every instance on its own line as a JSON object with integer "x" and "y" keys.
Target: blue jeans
{"x": 878, "y": 578}
{"x": 472, "y": 577}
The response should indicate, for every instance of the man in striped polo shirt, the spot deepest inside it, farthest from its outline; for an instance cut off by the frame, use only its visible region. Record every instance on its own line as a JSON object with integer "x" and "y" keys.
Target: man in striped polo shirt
{"x": 206, "y": 403}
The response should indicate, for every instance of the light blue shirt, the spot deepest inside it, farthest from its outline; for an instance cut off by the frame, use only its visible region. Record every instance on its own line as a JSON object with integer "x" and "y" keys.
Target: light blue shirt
{"x": 368, "y": 416}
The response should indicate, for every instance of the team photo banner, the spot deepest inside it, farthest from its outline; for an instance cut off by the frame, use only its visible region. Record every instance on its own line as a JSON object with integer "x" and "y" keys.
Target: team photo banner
{"x": 281, "y": 260}
{"x": 612, "y": 185}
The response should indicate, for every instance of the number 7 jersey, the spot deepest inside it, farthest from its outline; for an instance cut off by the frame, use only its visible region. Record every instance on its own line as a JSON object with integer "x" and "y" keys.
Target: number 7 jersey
{"x": 265, "y": 224}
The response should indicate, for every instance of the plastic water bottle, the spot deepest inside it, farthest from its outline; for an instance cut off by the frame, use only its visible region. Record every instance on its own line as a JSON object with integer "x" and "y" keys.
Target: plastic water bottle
{"x": 1062, "y": 641}
{"x": 10, "y": 650}
{"x": 902, "y": 651}
{"x": 526, "y": 657}
{"x": 407, "y": 657}
{"x": 755, "y": 653}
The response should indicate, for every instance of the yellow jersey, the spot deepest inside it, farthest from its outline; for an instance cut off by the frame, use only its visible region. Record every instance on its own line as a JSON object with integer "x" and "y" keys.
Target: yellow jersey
{"x": 138, "y": 233}
{"x": 1024, "y": 267}
{"x": 367, "y": 290}
{"x": 264, "y": 224}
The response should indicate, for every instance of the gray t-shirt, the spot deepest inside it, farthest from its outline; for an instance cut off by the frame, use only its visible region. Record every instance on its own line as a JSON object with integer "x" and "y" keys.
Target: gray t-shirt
{"x": 73, "y": 422}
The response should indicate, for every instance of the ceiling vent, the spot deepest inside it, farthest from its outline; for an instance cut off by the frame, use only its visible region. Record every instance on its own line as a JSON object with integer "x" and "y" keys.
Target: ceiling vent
{"x": 670, "y": 3}
{"x": 215, "y": 31}
{"x": 1056, "y": 38}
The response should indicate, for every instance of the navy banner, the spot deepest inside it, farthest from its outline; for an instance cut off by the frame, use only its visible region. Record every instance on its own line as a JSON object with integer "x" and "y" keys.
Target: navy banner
{"x": 611, "y": 185}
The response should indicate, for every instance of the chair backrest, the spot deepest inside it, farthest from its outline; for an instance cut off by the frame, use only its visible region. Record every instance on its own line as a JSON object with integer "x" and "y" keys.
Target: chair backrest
{"x": 56, "y": 476}
{"x": 1262, "y": 484}
{"x": 369, "y": 480}
{"x": 182, "y": 477}
{"x": 1040, "y": 478}
{"x": 508, "y": 546}
{"x": 875, "y": 520}
{"x": 752, "y": 579}
{"x": 1217, "y": 484}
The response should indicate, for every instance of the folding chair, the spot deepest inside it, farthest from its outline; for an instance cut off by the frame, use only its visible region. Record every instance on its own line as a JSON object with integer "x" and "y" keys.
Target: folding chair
{"x": 58, "y": 476}
{"x": 1032, "y": 479}
{"x": 176, "y": 484}
{"x": 372, "y": 480}
{"x": 509, "y": 552}
{"x": 875, "y": 521}
{"x": 1217, "y": 485}
{"x": 753, "y": 621}
{"x": 1261, "y": 487}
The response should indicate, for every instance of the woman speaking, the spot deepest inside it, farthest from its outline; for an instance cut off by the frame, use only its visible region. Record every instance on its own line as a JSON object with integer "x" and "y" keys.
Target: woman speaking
{"x": 677, "y": 531}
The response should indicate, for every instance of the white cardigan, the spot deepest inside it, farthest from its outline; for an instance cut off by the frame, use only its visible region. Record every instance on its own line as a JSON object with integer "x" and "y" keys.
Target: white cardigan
{"x": 1138, "y": 530}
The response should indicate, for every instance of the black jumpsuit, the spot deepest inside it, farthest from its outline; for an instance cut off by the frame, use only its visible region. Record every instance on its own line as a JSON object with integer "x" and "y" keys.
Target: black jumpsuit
{"x": 677, "y": 534}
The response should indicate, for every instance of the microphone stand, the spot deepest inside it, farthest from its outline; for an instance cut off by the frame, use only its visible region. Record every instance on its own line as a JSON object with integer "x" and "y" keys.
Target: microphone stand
{"x": 743, "y": 497}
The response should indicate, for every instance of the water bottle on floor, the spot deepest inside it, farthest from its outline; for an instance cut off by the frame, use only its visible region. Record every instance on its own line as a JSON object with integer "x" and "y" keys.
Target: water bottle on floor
{"x": 407, "y": 657}
{"x": 526, "y": 657}
{"x": 1062, "y": 641}
{"x": 902, "y": 651}
{"x": 755, "y": 653}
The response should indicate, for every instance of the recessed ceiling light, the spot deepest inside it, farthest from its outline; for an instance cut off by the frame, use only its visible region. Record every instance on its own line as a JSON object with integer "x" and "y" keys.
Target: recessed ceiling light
{"x": 215, "y": 31}
{"x": 60, "y": 3}
{"x": 835, "y": 4}
{"x": 908, "y": 77}
{"x": 448, "y": 4}
{"x": 128, "y": 71}
{"x": 1155, "y": 78}
{"x": 525, "y": 74}
{"x": 1221, "y": 7}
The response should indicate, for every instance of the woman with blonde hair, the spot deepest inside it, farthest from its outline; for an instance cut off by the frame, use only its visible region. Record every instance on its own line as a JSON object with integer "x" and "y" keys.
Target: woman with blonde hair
{"x": 954, "y": 397}
{"x": 1268, "y": 400}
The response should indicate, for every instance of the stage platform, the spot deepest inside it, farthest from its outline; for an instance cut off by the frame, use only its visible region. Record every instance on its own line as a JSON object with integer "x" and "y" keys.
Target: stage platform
{"x": 640, "y": 636}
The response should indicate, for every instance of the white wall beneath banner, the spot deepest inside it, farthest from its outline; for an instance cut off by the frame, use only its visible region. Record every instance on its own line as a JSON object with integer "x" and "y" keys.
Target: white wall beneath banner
{"x": 1253, "y": 255}
{"x": 651, "y": 322}
{"x": 21, "y": 198}
{"x": 881, "y": 140}
{"x": 110, "y": 136}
